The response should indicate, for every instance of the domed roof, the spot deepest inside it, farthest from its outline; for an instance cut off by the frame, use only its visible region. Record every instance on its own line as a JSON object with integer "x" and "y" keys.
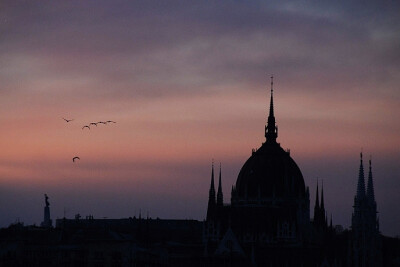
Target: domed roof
{"x": 270, "y": 172}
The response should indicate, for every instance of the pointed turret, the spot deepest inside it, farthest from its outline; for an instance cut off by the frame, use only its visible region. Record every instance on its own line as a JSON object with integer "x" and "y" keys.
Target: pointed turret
{"x": 370, "y": 187}
{"x": 322, "y": 198}
{"x": 271, "y": 131}
{"x": 316, "y": 207}
{"x": 361, "y": 182}
{"x": 220, "y": 198}
{"x": 322, "y": 208}
{"x": 212, "y": 188}
{"x": 211, "y": 194}
{"x": 372, "y": 209}
{"x": 317, "y": 198}
{"x": 365, "y": 225}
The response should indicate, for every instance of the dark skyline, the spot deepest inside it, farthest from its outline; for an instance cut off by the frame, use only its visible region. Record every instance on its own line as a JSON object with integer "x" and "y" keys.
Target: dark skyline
{"x": 188, "y": 82}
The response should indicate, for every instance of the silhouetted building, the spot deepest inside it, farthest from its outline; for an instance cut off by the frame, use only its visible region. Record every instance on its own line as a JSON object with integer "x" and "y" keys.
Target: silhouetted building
{"x": 269, "y": 214}
{"x": 366, "y": 241}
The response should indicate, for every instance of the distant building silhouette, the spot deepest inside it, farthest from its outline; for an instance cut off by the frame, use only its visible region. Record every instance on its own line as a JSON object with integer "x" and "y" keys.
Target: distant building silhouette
{"x": 366, "y": 240}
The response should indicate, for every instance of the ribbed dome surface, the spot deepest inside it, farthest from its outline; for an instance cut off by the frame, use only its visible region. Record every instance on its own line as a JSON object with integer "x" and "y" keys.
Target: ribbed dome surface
{"x": 270, "y": 173}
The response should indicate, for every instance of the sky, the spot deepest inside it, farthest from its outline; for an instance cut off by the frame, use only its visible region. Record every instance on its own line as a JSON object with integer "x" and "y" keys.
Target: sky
{"x": 188, "y": 82}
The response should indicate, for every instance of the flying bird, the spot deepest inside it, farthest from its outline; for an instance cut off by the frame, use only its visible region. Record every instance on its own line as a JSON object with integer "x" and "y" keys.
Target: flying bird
{"x": 93, "y": 123}
{"x": 103, "y": 122}
{"x": 111, "y": 121}
{"x": 74, "y": 158}
{"x": 67, "y": 120}
{"x": 85, "y": 127}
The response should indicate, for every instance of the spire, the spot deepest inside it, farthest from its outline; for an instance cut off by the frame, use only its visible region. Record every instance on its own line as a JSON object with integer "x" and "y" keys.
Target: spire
{"x": 211, "y": 195}
{"x": 370, "y": 188}
{"x": 317, "y": 210}
{"x": 220, "y": 198}
{"x": 212, "y": 188}
{"x": 317, "y": 198}
{"x": 322, "y": 197}
{"x": 271, "y": 104}
{"x": 271, "y": 131}
{"x": 361, "y": 182}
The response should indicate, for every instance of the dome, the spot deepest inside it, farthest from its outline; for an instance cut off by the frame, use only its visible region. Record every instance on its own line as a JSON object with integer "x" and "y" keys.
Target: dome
{"x": 270, "y": 173}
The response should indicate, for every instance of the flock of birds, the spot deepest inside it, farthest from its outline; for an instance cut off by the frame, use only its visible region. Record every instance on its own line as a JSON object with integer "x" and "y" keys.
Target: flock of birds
{"x": 95, "y": 124}
{"x": 87, "y": 126}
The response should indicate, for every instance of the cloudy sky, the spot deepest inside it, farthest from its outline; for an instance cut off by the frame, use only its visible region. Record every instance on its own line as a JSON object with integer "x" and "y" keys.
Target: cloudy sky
{"x": 188, "y": 82}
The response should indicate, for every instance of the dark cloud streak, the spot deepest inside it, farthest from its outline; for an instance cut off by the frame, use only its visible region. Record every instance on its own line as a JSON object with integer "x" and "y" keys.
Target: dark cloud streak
{"x": 179, "y": 43}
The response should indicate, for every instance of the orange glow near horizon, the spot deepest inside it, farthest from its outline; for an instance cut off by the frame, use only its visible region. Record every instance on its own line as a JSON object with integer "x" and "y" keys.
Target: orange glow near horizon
{"x": 191, "y": 129}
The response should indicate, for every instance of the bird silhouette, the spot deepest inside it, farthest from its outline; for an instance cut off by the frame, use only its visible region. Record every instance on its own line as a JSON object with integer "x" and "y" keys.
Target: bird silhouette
{"x": 67, "y": 120}
{"x": 93, "y": 123}
{"x": 85, "y": 127}
{"x": 103, "y": 122}
{"x": 74, "y": 158}
{"x": 111, "y": 121}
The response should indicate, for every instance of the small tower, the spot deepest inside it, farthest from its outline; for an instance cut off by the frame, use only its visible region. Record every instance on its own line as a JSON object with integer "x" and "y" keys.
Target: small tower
{"x": 370, "y": 188}
{"x": 361, "y": 181}
{"x": 320, "y": 217}
{"x": 211, "y": 195}
{"x": 220, "y": 198}
{"x": 373, "y": 221}
{"x": 47, "y": 222}
{"x": 324, "y": 215}
{"x": 322, "y": 198}
{"x": 316, "y": 207}
{"x": 366, "y": 241}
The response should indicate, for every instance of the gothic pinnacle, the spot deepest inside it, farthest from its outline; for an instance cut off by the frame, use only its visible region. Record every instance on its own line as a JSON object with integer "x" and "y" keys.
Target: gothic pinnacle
{"x": 361, "y": 181}
{"x": 271, "y": 131}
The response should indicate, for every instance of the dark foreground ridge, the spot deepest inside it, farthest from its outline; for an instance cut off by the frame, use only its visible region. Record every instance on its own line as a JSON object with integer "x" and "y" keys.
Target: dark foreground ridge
{"x": 157, "y": 242}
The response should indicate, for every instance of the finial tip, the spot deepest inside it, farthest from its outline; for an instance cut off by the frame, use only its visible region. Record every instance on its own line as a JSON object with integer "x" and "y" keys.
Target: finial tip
{"x": 272, "y": 83}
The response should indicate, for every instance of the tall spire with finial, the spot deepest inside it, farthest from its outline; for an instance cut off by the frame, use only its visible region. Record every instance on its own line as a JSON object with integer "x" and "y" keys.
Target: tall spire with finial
{"x": 361, "y": 181}
{"x": 271, "y": 131}
{"x": 370, "y": 187}
{"x": 271, "y": 103}
{"x": 220, "y": 198}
